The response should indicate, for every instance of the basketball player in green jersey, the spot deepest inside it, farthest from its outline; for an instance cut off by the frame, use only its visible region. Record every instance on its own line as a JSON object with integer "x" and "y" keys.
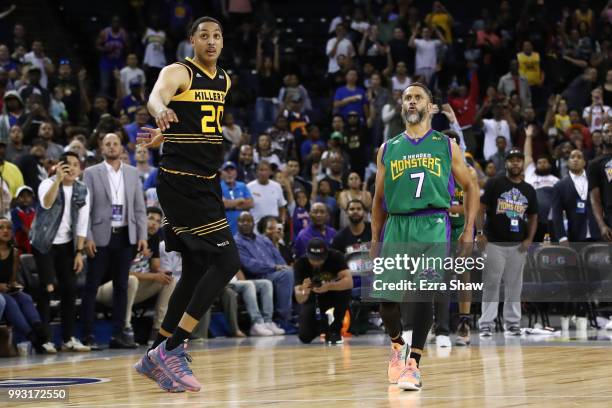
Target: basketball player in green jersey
{"x": 187, "y": 102}
{"x": 414, "y": 184}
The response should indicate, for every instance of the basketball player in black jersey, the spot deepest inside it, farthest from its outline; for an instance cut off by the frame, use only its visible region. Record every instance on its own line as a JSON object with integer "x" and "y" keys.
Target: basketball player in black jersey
{"x": 187, "y": 102}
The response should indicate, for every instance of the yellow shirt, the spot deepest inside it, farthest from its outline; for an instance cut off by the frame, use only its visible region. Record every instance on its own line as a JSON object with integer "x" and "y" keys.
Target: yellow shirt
{"x": 529, "y": 67}
{"x": 562, "y": 122}
{"x": 12, "y": 175}
{"x": 443, "y": 21}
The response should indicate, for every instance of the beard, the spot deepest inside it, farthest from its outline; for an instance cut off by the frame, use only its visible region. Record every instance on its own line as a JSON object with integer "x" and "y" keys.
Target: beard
{"x": 355, "y": 220}
{"x": 413, "y": 118}
{"x": 545, "y": 172}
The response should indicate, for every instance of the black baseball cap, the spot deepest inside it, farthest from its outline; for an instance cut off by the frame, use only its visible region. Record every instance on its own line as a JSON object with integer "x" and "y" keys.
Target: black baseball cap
{"x": 317, "y": 250}
{"x": 515, "y": 153}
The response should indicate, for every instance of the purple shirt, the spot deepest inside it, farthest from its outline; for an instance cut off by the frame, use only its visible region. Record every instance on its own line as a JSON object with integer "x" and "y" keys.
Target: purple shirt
{"x": 305, "y": 235}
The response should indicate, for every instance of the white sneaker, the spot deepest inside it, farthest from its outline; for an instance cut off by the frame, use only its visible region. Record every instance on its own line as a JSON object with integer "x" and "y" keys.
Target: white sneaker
{"x": 273, "y": 327}
{"x": 443, "y": 341}
{"x": 49, "y": 348}
{"x": 75, "y": 345}
{"x": 582, "y": 324}
{"x": 608, "y": 325}
{"x": 431, "y": 337}
{"x": 260, "y": 329}
{"x": 565, "y": 324}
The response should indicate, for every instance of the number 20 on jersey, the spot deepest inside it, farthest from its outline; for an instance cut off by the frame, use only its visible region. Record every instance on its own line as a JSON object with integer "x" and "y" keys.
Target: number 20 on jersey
{"x": 211, "y": 121}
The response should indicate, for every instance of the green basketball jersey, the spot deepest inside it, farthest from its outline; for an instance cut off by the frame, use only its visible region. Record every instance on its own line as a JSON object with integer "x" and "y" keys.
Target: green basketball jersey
{"x": 418, "y": 173}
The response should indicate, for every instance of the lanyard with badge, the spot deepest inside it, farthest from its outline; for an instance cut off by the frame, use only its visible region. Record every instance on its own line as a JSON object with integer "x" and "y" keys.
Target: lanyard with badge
{"x": 515, "y": 225}
{"x": 580, "y": 203}
{"x": 117, "y": 209}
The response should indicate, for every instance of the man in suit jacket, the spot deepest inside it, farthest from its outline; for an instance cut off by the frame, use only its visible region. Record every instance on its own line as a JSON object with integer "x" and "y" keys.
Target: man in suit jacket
{"x": 571, "y": 194}
{"x": 118, "y": 222}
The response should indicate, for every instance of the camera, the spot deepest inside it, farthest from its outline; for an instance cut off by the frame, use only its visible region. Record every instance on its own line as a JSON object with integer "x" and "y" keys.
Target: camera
{"x": 316, "y": 282}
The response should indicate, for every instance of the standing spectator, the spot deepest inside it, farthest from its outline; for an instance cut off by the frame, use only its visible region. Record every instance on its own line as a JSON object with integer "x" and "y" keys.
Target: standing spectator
{"x": 314, "y": 137}
{"x": 19, "y": 310}
{"x": 338, "y": 46}
{"x": 154, "y": 40}
{"x": 529, "y": 65}
{"x": 351, "y": 98}
{"x": 260, "y": 259}
{"x": 147, "y": 278}
{"x": 499, "y": 158}
{"x": 232, "y": 133}
{"x": 426, "y": 60}
{"x": 141, "y": 119}
{"x": 263, "y": 152}
{"x": 129, "y": 104}
{"x": 600, "y": 186}
{"x": 72, "y": 90}
{"x": 131, "y": 73}
{"x": 400, "y": 81}
{"x": 181, "y": 15}
{"x": 58, "y": 241}
{"x": 539, "y": 175}
{"x": 236, "y": 196}
{"x": 111, "y": 43}
{"x": 118, "y": 223}
{"x": 145, "y": 169}
{"x": 597, "y": 113}
{"x": 578, "y": 91}
{"x": 513, "y": 81}
{"x": 38, "y": 59}
{"x": 441, "y": 19}
{"x": 297, "y": 121}
{"x": 318, "y": 228}
{"x": 353, "y": 192}
{"x": 371, "y": 49}
{"x": 323, "y": 281}
{"x": 283, "y": 141}
{"x": 356, "y": 142}
{"x": 570, "y": 196}
{"x": 267, "y": 194}
{"x": 22, "y": 216}
{"x": 357, "y": 231}
{"x": 34, "y": 86}
{"x": 268, "y": 82}
{"x": 493, "y": 128}
{"x": 511, "y": 208}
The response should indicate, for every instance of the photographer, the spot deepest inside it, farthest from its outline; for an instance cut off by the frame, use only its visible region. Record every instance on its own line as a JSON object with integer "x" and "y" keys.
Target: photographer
{"x": 326, "y": 283}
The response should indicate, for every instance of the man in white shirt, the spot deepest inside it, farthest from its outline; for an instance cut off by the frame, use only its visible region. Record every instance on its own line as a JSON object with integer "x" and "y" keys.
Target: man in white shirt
{"x": 595, "y": 115}
{"x": 426, "y": 58}
{"x": 492, "y": 129}
{"x": 267, "y": 194}
{"x": 131, "y": 72}
{"x": 37, "y": 58}
{"x": 339, "y": 45}
{"x": 58, "y": 241}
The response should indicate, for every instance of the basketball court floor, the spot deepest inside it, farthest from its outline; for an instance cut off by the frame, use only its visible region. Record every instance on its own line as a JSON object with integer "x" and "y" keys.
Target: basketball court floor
{"x": 530, "y": 371}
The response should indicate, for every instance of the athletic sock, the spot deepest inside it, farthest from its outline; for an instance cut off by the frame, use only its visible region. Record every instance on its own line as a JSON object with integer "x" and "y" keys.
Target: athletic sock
{"x": 416, "y": 356}
{"x": 178, "y": 337}
{"x": 159, "y": 340}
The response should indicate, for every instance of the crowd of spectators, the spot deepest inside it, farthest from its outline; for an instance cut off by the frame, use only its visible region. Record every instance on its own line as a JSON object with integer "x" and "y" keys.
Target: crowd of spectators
{"x": 300, "y": 149}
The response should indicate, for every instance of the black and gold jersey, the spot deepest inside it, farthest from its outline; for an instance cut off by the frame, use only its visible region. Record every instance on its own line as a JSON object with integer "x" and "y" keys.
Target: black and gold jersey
{"x": 194, "y": 145}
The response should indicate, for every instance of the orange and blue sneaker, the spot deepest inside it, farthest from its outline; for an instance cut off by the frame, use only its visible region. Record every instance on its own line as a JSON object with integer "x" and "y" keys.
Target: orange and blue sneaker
{"x": 147, "y": 367}
{"x": 175, "y": 364}
{"x": 397, "y": 358}
{"x": 410, "y": 378}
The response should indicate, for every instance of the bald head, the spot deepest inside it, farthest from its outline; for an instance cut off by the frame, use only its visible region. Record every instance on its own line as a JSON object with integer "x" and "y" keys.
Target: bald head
{"x": 111, "y": 147}
{"x": 245, "y": 223}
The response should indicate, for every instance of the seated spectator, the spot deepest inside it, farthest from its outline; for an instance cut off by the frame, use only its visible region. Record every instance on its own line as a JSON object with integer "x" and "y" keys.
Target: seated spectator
{"x": 141, "y": 119}
{"x": 236, "y": 196}
{"x": 260, "y": 259}
{"x": 319, "y": 216}
{"x": 246, "y": 167}
{"x": 292, "y": 172}
{"x": 131, "y": 73}
{"x": 299, "y": 211}
{"x": 13, "y": 111}
{"x": 31, "y": 165}
{"x": 335, "y": 174}
{"x": 229, "y": 304}
{"x": 325, "y": 282}
{"x": 353, "y": 192}
{"x": 283, "y": 141}
{"x": 597, "y": 113}
{"x": 232, "y": 133}
{"x": 267, "y": 194}
{"x": 251, "y": 290}
{"x": 22, "y": 216}
{"x": 322, "y": 193}
{"x": 298, "y": 122}
{"x": 147, "y": 278}
{"x": 16, "y": 149}
{"x": 314, "y": 137}
{"x": 46, "y": 131}
{"x": 272, "y": 228}
{"x": 58, "y": 241}
{"x": 263, "y": 152}
{"x": 19, "y": 311}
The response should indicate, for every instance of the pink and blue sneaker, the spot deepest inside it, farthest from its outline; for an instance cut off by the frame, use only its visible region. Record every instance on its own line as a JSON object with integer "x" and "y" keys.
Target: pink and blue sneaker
{"x": 147, "y": 367}
{"x": 175, "y": 364}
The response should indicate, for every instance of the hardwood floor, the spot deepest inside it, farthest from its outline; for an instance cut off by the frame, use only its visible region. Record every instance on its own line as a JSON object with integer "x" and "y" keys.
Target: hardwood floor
{"x": 353, "y": 375}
